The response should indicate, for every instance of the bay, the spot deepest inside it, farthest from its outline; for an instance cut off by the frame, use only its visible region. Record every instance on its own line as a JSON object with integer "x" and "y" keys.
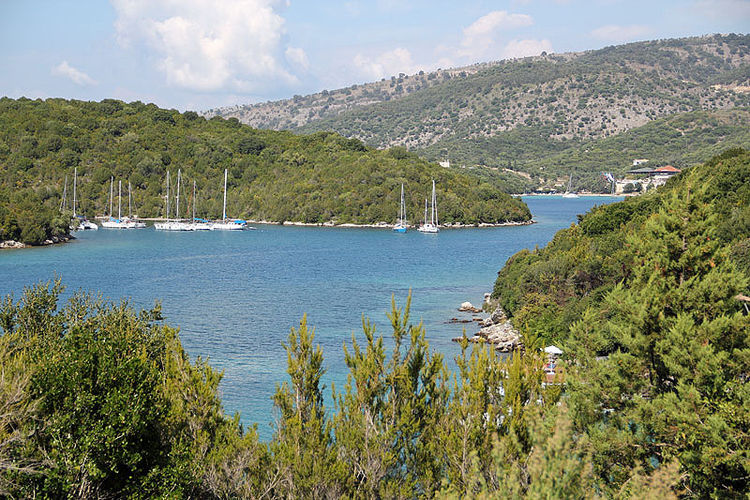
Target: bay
{"x": 235, "y": 295}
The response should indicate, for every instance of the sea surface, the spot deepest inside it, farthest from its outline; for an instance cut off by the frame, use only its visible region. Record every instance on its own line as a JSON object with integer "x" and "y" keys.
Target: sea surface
{"x": 235, "y": 295}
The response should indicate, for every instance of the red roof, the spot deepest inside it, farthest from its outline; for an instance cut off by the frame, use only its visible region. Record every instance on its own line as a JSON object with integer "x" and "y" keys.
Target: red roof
{"x": 667, "y": 168}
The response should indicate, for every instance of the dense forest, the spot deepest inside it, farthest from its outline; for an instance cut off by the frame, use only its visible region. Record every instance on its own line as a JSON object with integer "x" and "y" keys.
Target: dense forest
{"x": 518, "y": 113}
{"x": 273, "y": 176}
{"x": 101, "y": 401}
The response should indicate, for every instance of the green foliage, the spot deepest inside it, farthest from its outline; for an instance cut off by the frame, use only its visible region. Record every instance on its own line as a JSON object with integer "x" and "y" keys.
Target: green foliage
{"x": 112, "y": 405}
{"x": 641, "y": 295}
{"x": 274, "y": 176}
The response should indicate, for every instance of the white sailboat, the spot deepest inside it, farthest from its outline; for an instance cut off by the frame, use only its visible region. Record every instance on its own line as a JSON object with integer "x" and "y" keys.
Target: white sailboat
{"x": 432, "y": 225}
{"x": 117, "y": 223}
{"x": 199, "y": 224}
{"x": 83, "y": 223}
{"x": 177, "y": 224}
{"x": 568, "y": 193}
{"x": 227, "y": 224}
{"x": 400, "y": 226}
{"x": 129, "y": 220}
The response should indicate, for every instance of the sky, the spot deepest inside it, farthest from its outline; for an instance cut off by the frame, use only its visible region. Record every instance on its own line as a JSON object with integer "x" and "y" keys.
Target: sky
{"x": 198, "y": 54}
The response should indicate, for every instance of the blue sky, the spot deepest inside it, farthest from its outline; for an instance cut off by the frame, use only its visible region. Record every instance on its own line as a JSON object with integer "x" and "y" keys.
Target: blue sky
{"x": 196, "y": 54}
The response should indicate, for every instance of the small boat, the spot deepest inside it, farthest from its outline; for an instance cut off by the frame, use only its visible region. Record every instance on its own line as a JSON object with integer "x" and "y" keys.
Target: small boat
{"x": 432, "y": 225}
{"x": 228, "y": 224}
{"x": 177, "y": 224}
{"x": 400, "y": 226}
{"x": 132, "y": 223}
{"x": 119, "y": 222}
{"x": 568, "y": 193}
{"x": 83, "y": 223}
{"x": 199, "y": 224}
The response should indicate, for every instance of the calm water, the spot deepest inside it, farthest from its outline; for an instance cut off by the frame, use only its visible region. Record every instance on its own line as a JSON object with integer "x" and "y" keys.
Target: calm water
{"x": 235, "y": 295}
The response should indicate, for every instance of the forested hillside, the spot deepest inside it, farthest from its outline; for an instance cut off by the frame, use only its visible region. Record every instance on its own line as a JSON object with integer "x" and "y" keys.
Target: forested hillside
{"x": 273, "y": 176}
{"x": 514, "y": 114}
{"x": 650, "y": 399}
{"x": 646, "y": 299}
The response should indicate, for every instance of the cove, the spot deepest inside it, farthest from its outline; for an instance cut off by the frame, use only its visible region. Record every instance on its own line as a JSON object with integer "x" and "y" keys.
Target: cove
{"x": 235, "y": 295}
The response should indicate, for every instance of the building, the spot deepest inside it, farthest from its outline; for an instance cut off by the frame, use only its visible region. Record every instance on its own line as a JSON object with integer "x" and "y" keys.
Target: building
{"x": 646, "y": 178}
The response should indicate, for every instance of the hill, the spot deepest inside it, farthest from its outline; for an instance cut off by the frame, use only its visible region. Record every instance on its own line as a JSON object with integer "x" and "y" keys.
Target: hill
{"x": 273, "y": 176}
{"x": 510, "y": 114}
{"x": 644, "y": 296}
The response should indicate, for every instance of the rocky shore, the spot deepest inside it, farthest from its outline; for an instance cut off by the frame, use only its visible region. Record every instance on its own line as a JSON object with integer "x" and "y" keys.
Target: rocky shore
{"x": 496, "y": 330}
{"x": 17, "y": 244}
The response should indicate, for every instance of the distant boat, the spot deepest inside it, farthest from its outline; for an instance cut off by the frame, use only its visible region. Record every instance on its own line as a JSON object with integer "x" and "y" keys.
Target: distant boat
{"x": 83, "y": 223}
{"x": 228, "y": 224}
{"x": 432, "y": 225}
{"x": 129, "y": 220}
{"x": 400, "y": 226}
{"x": 569, "y": 193}
{"x": 177, "y": 224}
{"x": 119, "y": 222}
{"x": 199, "y": 224}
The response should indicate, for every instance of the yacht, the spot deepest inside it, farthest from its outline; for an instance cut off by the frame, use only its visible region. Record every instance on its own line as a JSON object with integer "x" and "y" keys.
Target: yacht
{"x": 400, "y": 226}
{"x": 228, "y": 224}
{"x": 432, "y": 225}
{"x": 177, "y": 224}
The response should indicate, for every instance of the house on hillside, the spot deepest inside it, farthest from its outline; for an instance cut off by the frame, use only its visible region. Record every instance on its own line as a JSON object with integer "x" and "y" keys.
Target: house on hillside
{"x": 642, "y": 179}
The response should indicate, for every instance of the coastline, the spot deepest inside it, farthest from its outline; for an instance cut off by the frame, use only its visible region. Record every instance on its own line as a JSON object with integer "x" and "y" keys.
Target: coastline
{"x": 55, "y": 240}
{"x": 385, "y": 225}
{"x": 597, "y": 195}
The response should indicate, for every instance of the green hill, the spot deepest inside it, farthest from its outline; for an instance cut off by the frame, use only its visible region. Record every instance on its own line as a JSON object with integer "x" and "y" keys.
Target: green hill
{"x": 643, "y": 296}
{"x": 515, "y": 114}
{"x": 273, "y": 176}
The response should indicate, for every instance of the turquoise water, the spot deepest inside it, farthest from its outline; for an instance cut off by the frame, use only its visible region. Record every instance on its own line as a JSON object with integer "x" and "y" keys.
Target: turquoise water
{"x": 235, "y": 295}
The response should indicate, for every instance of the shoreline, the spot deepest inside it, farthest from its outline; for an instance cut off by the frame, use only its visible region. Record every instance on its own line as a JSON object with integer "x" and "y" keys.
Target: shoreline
{"x": 592, "y": 195}
{"x": 384, "y": 225}
{"x": 15, "y": 245}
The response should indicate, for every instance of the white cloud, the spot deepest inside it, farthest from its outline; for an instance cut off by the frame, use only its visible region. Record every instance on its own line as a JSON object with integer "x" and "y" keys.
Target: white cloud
{"x": 237, "y": 45}
{"x": 724, "y": 9}
{"x": 481, "y": 39}
{"x": 389, "y": 63}
{"x": 615, "y": 33}
{"x": 525, "y": 48}
{"x": 76, "y": 76}
{"x": 298, "y": 57}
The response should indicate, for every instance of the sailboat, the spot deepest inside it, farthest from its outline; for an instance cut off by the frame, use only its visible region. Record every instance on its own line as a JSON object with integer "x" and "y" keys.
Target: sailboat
{"x": 568, "y": 193}
{"x": 199, "y": 224}
{"x": 83, "y": 223}
{"x": 177, "y": 224}
{"x": 400, "y": 226}
{"x": 117, "y": 223}
{"x": 129, "y": 220}
{"x": 227, "y": 224}
{"x": 432, "y": 225}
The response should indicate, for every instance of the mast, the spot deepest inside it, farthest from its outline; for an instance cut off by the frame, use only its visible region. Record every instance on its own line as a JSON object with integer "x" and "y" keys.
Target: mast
{"x": 75, "y": 181}
{"x": 425, "y": 211}
{"x": 166, "y": 199}
{"x": 179, "y": 176}
{"x": 193, "y": 200}
{"x": 119, "y": 198}
{"x": 65, "y": 194}
{"x": 130, "y": 211}
{"x": 224, "y": 213}
{"x": 403, "y": 205}
{"x": 111, "y": 186}
{"x": 434, "y": 203}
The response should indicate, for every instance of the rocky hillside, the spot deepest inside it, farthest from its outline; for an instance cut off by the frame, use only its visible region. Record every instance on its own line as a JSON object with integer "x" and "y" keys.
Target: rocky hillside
{"x": 509, "y": 112}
